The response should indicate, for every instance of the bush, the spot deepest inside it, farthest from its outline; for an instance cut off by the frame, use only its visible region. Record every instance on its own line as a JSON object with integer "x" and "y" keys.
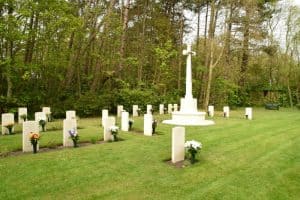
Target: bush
{"x": 128, "y": 97}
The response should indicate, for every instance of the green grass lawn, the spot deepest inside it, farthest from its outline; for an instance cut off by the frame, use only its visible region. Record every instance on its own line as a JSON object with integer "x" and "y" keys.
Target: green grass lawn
{"x": 240, "y": 159}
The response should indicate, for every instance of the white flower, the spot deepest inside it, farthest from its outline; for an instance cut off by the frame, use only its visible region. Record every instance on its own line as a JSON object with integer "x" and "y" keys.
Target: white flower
{"x": 114, "y": 128}
{"x": 193, "y": 144}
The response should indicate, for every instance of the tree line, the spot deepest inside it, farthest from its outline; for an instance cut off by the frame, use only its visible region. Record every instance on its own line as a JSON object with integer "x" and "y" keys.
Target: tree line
{"x": 93, "y": 54}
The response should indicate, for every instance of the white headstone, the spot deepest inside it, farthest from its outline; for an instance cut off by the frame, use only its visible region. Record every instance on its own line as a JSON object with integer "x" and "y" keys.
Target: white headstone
{"x": 47, "y": 111}
{"x": 40, "y": 116}
{"x": 148, "y": 120}
{"x": 161, "y": 109}
{"x": 28, "y": 128}
{"x": 71, "y": 114}
{"x": 69, "y": 124}
{"x": 211, "y": 111}
{"x": 7, "y": 118}
{"x": 104, "y": 115}
{"x": 170, "y": 107}
{"x": 175, "y": 106}
{"x": 178, "y": 140}
{"x": 226, "y": 111}
{"x": 21, "y": 111}
{"x": 149, "y": 108}
{"x": 108, "y": 122}
{"x": 119, "y": 110}
{"x": 248, "y": 113}
{"x": 135, "y": 110}
{"x": 125, "y": 121}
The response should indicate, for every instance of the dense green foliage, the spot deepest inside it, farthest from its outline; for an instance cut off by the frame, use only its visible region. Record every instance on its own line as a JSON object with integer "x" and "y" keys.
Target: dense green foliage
{"x": 240, "y": 159}
{"x": 88, "y": 55}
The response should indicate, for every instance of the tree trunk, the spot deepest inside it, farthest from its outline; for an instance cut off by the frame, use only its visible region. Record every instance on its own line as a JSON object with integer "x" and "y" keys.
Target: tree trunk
{"x": 245, "y": 49}
{"x": 123, "y": 38}
{"x": 206, "y": 21}
{"x": 180, "y": 51}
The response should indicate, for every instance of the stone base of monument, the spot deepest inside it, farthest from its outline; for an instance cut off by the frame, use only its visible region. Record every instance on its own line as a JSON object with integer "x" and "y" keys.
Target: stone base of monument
{"x": 189, "y": 119}
{"x": 188, "y": 115}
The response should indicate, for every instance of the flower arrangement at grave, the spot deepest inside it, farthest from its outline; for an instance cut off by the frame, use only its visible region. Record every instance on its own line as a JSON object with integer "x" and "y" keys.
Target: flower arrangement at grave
{"x": 23, "y": 117}
{"x": 34, "y": 138}
{"x": 192, "y": 147}
{"x": 130, "y": 123}
{"x": 154, "y": 125}
{"x": 42, "y": 123}
{"x": 9, "y": 126}
{"x": 74, "y": 136}
{"x": 114, "y": 131}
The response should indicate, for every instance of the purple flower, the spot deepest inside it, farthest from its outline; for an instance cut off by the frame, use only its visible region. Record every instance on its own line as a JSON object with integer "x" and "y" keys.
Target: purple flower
{"x": 73, "y": 132}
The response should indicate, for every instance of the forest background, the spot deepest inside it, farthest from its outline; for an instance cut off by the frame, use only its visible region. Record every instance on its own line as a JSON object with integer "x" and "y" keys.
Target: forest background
{"x": 89, "y": 55}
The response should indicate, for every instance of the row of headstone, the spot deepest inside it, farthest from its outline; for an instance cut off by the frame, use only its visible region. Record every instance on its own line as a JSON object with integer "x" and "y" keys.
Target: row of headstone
{"x": 70, "y": 123}
{"x": 106, "y": 123}
{"x": 226, "y": 111}
{"x": 149, "y": 109}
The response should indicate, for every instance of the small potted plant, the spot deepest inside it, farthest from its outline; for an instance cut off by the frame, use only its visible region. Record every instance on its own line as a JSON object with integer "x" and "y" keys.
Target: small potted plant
{"x": 154, "y": 125}
{"x": 130, "y": 123}
{"x": 9, "y": 126}
{"x": 23, "y": 117}
{"x": 34, "y": 138}
{"x": 192, "y": 148}
{"x": 42, "y": 123}
{"x": 114, "y": 132}
{"x": 74, "y": 136}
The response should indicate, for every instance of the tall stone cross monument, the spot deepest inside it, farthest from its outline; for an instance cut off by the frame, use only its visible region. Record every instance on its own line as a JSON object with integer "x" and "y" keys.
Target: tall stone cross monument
{"x": 188, "y": 114}
{"x": 188, "y": 80}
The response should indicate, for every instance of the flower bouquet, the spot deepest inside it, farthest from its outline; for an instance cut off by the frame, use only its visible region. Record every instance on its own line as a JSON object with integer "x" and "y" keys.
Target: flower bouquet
{"x": 42, "y": 123}
{"x": 114, "y": 132}
{"x": 9, "y": 126}
{"x": 24, "y": 117}
{"x": 34, "y": 138}
{"x": 192, "y": 148}
{"x": 130, "y": 123}
{"x": 74, "y": 136}
{"x": 154, "y": 125}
